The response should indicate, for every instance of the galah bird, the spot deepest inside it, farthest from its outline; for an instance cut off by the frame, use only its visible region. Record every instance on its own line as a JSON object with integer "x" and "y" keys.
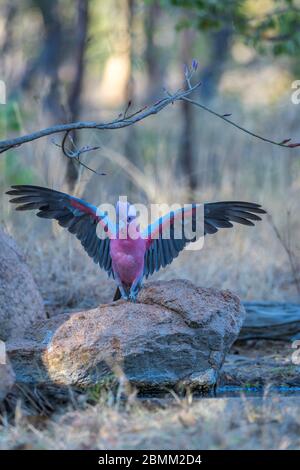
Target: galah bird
{"x": 126, "y": 258}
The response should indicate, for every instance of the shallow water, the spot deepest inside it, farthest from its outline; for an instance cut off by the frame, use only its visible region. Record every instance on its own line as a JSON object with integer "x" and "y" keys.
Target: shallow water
{"x": 236, "y": 391}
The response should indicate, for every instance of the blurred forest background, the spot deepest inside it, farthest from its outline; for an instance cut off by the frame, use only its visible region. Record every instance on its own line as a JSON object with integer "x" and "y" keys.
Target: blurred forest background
{"x": 66, "y": 60}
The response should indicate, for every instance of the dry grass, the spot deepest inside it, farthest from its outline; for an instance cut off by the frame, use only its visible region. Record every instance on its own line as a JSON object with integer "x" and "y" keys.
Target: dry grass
{"x": 223, "y": 423}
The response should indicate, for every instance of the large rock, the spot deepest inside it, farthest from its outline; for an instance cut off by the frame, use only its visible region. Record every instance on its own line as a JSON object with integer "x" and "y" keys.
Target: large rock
{"x": 20, "y": 301}
{"x": 176, "y": 335}
{"x": 7, "y": 379}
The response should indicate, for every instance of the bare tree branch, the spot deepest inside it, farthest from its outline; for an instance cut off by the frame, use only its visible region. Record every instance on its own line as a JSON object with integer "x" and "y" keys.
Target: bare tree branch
{"x": 120, "y": 122}
{"x": 125, "y": 120}
{"x": 284, "y": 143}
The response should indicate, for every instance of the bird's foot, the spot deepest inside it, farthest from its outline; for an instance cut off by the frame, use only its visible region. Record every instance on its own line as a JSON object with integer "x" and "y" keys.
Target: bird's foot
{"x": 124, "y": 294}
{"x": 133, "y": 296}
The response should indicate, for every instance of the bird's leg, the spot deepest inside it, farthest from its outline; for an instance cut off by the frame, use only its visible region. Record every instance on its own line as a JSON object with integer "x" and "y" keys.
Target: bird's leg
{"x": 135, "y": 287}
{"x": 121, "y": 287}
{"x": 123, "y": 291}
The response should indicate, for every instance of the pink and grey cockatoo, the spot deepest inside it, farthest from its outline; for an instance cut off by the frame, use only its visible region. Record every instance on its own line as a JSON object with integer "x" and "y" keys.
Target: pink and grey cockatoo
{"x": 129, "y": 259}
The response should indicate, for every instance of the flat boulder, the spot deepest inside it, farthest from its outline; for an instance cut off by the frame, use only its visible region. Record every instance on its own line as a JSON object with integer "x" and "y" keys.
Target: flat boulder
{"x": 260, "y": 364}
{"x": 176, "y": 335}
{"x": 20, "y": 302}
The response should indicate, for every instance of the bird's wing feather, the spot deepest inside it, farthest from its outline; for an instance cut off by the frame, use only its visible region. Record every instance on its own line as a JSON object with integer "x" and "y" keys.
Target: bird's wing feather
{"x": 164, "y": 241}
{"x": 161, "y": 251}
{"x": 77, "y": 216}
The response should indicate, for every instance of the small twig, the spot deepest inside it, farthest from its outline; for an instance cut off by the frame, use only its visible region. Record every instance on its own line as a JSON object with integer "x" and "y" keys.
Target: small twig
{"x": 287, "y": 248}
{"x": 284, "y": 143}
{"x": 88, "y": 168}
{"x": 63, "y": 146}
{"x": 140, "y": 110}
{"x": 77, "y": 153}
{"x": 127, "y": 109}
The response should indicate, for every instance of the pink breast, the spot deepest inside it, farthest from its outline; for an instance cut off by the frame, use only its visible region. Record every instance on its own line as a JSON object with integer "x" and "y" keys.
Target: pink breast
{"x": 128, "y": 258}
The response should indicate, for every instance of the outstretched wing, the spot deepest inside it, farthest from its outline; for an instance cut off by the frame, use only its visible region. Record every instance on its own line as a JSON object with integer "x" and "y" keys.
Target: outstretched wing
{"x": 161, "y": 250}
{"x": 78, "y": 216}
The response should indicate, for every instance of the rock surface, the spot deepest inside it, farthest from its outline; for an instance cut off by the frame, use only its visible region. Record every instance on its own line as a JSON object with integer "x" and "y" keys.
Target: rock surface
{"x": 7, "y": 379}
{"x": 20, "y": 301}
{"x": 257, "y": 373}
{"x": 261, "y": 363}
{"x": 176, "y": 335}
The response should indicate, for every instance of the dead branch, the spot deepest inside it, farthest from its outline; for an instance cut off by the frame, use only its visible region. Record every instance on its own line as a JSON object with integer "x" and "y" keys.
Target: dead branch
{"x": 284, "y": 143}
{"x": 120, "y": 122}
{"x": 125, "y": 120}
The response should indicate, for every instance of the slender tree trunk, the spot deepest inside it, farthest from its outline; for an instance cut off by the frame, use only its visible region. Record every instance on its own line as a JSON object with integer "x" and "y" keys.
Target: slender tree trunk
{"x": 49, "y": 59}
{"x": 130, "y": 142}
{"x": 154, "y": 64}
{"x": 130, "y": 24}
{"x": 220, "y": 45}
{"x": 10, "y": 14}
{"x": 218, "y": 54}
{"x": 187, "y": 142}
{"x": 74, "y": 99}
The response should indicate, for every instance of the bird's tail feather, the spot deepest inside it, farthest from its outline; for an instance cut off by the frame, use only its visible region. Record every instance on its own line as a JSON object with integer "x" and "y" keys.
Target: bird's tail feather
{"x": 117, "y": 295}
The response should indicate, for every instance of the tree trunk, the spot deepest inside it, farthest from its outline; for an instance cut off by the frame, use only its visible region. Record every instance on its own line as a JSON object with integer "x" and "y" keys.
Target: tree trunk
{"x": 49, "y": 59}
{"x": 76, "y": 87}
{"x": 154, "y": 64}
{"x": 10, "y": 15}
{"x": 187, "y": 142}
{"x": 212, "y": 73}
{"x": 130, "y": 142}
